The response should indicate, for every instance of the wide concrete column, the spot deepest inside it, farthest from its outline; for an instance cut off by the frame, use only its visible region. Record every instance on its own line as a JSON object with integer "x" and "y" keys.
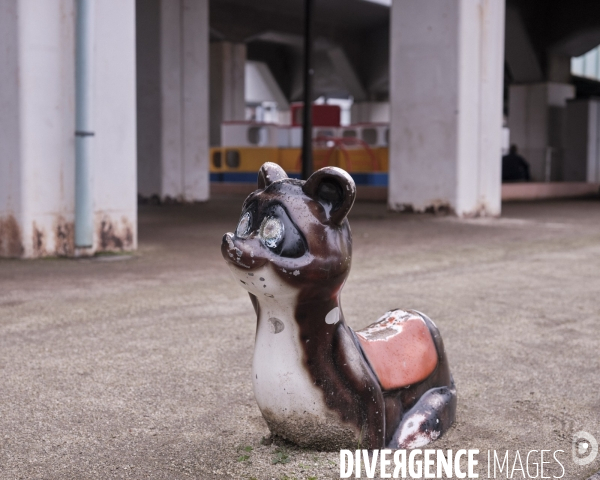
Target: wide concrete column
{"x": 227, "y": 86}
{"x": 37, "y": 128}
{"x": 537, "y": 122}
{"x": 173, "y": 105}
{"x": 446, "y": 76}
{"x": 370, "y": 112}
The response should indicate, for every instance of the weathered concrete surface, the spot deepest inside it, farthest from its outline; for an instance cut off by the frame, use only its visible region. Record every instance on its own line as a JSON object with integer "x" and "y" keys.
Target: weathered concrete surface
{"x": 446, "y": 129}
{"x": 139, "y": 367}
{"x": 37, "y": 126}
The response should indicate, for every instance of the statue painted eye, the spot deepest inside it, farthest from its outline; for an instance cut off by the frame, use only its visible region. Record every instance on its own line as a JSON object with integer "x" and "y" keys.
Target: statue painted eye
{"x": 243, "y": 228}
{"x": 271, "y": 231}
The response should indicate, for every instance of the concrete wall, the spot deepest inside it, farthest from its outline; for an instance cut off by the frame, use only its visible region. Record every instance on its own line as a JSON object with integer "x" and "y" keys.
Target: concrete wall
{"x": 446, "y": 105}
{"x": 173, "y": 99}
{"x": 37, "y": 115}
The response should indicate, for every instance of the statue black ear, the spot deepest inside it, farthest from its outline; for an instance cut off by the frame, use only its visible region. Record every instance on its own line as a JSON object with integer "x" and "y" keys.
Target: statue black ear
{"x": 333, "y": 188}
{"x": 270, "y": 172}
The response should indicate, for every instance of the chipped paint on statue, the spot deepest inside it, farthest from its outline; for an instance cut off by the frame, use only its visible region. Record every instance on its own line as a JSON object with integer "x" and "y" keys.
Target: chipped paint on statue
{"x": 316, "y": 381}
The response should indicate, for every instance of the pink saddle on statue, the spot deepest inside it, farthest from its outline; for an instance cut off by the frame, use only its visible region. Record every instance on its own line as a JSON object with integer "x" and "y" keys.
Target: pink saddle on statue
{"x": 399, "y": 348}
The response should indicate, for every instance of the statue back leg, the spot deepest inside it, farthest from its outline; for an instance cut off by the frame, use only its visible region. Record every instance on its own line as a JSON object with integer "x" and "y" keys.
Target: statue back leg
{"x": 427, "y": 420}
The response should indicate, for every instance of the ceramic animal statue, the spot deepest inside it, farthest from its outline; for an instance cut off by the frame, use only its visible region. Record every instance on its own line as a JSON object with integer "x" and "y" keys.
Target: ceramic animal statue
{"x": 317, "y": 382}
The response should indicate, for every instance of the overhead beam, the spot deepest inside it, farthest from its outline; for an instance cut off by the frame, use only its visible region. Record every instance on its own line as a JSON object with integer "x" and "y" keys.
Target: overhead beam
{"x": 519, "y": 52}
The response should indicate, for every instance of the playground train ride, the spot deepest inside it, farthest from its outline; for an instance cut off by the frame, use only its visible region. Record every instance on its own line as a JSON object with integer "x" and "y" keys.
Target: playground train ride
{"x": 360, "y": 149}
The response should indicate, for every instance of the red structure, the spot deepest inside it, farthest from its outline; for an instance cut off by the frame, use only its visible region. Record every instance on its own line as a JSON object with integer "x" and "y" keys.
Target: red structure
{"x": 322, "y": 115}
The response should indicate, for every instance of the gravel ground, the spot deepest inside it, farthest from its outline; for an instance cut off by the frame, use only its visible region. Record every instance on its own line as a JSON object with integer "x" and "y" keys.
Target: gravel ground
{"x": 138, "y": 366}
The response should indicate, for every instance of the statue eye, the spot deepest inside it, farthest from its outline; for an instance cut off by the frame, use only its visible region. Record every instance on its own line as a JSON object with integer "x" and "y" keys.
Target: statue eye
{"x": 243, "y": 228}
{"x": 271, "y": 231}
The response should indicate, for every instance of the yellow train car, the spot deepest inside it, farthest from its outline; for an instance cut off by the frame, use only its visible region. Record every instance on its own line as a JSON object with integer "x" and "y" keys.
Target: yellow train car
{"x": 352, "y": 148}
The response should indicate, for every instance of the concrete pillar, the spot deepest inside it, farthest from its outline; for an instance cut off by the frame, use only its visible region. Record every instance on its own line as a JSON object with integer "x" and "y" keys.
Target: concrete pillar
{"x": 446, "y": 76}
{"x": 37, "y": 126}
{"x": 172, "y": 39}
{"x": 370, "y": 112}
{"x": 227, "y": 82}
{"x": 582, "y": 147}
{"x": 559, "y": 68}
{"x": 536, "y": 119}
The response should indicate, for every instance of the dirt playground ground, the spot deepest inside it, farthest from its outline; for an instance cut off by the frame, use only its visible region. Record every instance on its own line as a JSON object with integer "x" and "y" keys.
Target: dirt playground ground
{"x": 138, "y": 366}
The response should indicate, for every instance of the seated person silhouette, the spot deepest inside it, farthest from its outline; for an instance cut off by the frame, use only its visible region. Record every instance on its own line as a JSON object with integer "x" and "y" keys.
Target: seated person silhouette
{"x": 514, "y": 167}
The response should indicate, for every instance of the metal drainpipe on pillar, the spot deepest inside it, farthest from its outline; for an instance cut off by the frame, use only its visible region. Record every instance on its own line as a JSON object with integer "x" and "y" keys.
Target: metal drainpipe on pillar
{"x": 84, "y": 50}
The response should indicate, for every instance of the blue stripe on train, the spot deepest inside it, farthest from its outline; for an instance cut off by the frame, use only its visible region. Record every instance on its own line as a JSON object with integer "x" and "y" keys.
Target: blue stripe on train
{"x": 377, "y": 179}
{"x": 239, "y": 177}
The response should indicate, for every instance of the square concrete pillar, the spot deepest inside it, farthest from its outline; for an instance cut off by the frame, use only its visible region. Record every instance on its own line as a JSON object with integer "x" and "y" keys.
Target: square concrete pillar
{"x": 173, "y": 104}
{"x": 446, "y": 77}
{"x": 537, "y": 123}
{"x": 37, "y": 128}
{"x": 227, "y": 86}
{"x": 582, "y": 147}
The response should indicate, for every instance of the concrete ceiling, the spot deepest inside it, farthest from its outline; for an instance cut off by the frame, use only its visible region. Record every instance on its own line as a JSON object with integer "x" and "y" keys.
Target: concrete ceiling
{"x": 346, "y": 32}
{"x": 357, "y": 33}
{"x": 240, "y": 20}
{"x": 561, "y": 27}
